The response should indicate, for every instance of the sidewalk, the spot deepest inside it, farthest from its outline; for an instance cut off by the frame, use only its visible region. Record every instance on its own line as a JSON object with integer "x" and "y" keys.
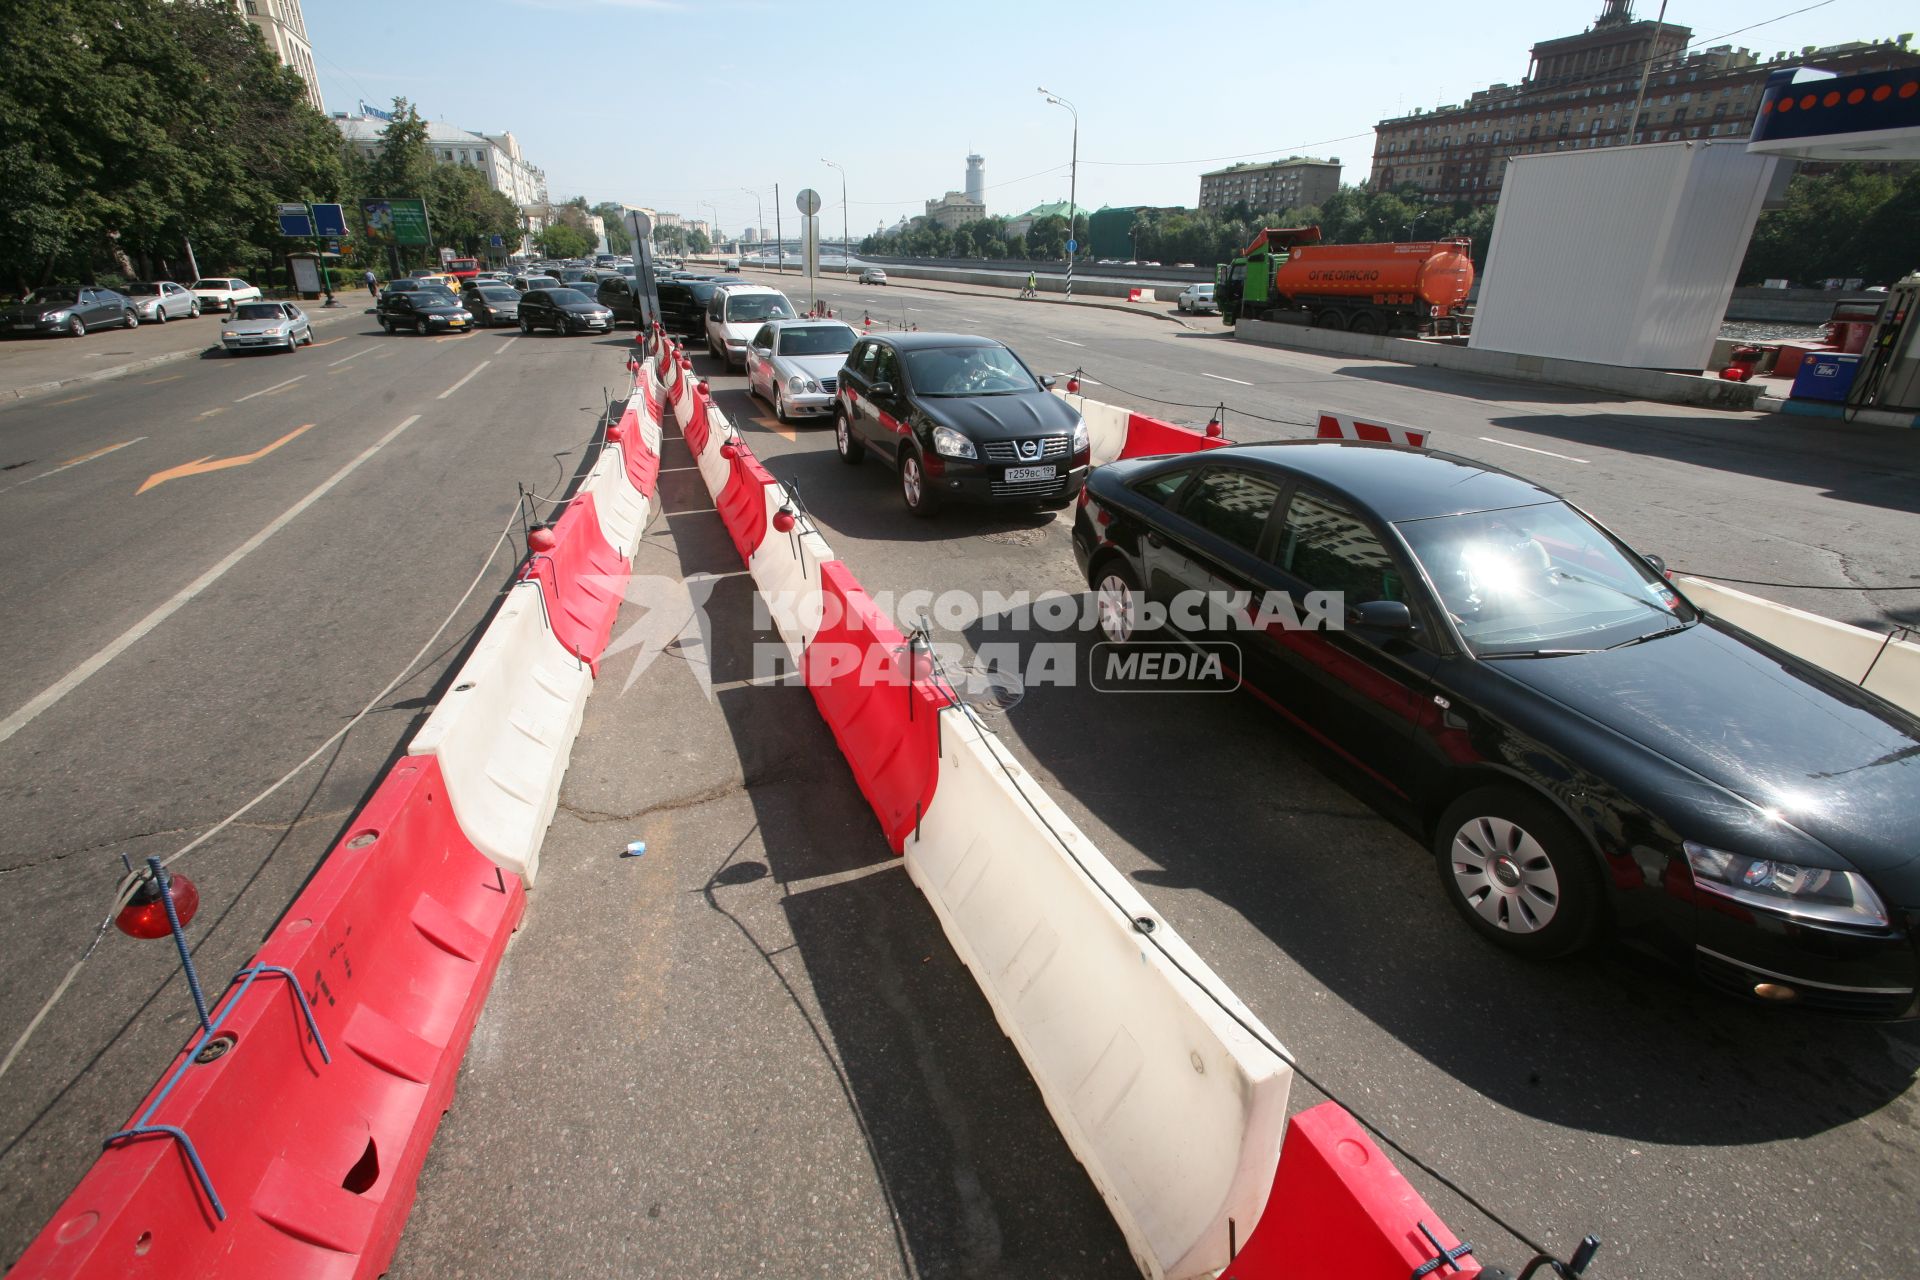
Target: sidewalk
{"x": 36, "y": 366}
{"x": 1152, "y": 312}
{"x": 751, "y": 1049}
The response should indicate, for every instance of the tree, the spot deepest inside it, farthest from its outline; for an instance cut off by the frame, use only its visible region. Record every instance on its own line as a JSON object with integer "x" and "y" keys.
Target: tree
{"x": 1047, "y": 238}
{"x": 562, "y": 241}
{"x": 1847, "y": 222}
{"x": 615, "y": 217}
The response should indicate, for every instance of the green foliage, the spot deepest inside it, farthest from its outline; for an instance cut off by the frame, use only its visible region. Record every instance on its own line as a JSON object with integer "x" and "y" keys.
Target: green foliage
{"x": 614, "y": 216}
{"x": 129, "y": 125}
{"x": 562, "y": 241}
{"x": 1846, "y": 222}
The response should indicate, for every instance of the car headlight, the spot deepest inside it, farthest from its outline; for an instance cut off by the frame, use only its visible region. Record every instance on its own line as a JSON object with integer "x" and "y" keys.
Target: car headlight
{"x": 54, "y": 316}
{"x": 951, "y": 443}
{"x": 228, "y": 333}
{"x": 1806, "y": 893}
{"x": 801, "y": 385}
{"x": 1082, "y": 438}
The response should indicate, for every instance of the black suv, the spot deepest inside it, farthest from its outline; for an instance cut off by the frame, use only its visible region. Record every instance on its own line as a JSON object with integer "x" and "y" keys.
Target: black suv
{"x": 683, "y": 304}
{"x": 959, "y": 417}
{"x": 564, "y": 310}
{"x": 617, "y": 295}
{"x": 424, "y": 311}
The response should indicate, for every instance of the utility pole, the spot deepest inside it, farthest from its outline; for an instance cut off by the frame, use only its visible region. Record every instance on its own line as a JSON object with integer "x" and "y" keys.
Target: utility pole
{"x": 1653, "y": 47}
{"x": 846, "y": 243}
{"x": 779, "y": 236}
{"x": 1073, "y": 185}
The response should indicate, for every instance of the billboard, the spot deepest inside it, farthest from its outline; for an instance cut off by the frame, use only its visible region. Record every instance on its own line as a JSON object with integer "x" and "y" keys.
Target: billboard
{"x": 397, "y": 221}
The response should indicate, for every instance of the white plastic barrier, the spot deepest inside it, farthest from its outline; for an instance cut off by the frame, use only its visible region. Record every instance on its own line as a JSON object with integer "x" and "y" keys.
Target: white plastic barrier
{"x": 1890, "y": 668}
{"x": 786, "y": 569}
{"x": 622, "y": 509}
{"x": 505, "y": 729}
{"x": 1106, "y": 426}
{"x": 1173, "y": 1106}
{"x": 714, "y": 468}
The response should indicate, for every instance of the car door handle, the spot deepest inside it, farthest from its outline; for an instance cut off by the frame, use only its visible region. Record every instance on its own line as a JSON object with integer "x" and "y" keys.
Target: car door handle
{"x": 1154, "y": 539}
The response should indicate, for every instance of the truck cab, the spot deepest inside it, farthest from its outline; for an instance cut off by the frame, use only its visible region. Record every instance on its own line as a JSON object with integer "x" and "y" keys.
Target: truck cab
{"x": 1245, "y": 285}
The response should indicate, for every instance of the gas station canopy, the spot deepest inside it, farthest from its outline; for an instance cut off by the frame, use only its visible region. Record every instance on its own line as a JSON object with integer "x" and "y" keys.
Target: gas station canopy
{"x": 1816, "y": 115}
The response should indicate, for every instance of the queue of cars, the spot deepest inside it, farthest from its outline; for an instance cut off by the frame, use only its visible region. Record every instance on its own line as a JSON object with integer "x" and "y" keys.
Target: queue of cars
{"x": 70, "y": 310}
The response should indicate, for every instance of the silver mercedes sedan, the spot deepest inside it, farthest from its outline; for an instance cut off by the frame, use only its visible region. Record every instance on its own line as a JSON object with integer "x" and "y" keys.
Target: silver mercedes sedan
{"x": 794, "y": 365}
{"x": 162, "y": 300}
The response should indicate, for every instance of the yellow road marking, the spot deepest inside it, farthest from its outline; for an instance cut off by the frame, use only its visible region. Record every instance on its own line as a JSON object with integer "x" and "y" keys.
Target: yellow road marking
{"x": 209, "y": 413}
{"x": 172, "y": 377}
{"x": 97, "y": 453}
{"x": 202, "y": 466}
{"x": 329, "y": 342}
{"x": 71, "y": 400}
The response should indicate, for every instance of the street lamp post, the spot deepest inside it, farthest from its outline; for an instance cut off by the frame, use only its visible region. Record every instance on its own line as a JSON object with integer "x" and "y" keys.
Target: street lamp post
{"x": 714, "y": 209}
{"x": 1073, "y": 185}
{"x": 846, "y": 243}
{"x": 759, "y": 216}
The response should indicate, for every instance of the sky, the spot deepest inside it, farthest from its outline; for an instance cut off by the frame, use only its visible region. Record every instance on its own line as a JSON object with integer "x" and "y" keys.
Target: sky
{"x": 697, "y": 106}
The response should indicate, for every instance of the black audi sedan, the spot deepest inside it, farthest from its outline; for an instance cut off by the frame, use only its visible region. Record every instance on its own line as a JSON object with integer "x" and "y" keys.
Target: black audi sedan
{"x": 564, "y": 311}
{"x": 429, "y": 310}
{"x": 959, "y": 417}
{"x": 1584, "y": 750}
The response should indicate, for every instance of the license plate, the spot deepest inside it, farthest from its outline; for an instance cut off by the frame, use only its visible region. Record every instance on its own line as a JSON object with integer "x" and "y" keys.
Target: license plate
{"x": 23, "y": 326}
{"x": 1016, "y": 474}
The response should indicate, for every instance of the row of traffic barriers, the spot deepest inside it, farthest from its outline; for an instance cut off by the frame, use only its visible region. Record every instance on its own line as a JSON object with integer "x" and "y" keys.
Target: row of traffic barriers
{"x": 1116, "y": 432}
{"x": 1167, "y": 1088}
{"x": 287, "y": 1138}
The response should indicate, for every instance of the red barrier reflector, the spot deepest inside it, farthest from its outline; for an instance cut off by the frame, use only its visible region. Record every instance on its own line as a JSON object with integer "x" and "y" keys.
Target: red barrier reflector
{"x": 1340, "y": 1210}
{"x": 582, "y": 580}
{"x": 743, "y": 500}
{"x": 1147, "y": 437}
{"x": 1339, "y": 426}
{"x": 314, "y": 1162}
{"x": 882, "y": 713}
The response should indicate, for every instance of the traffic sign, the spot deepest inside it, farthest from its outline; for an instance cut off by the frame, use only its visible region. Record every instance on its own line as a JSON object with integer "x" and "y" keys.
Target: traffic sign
{"x": 1073, "y": 246}
{"x": 807, "y": 201}
{"x": 639, "y": 225}
{"x": 295, "y": 220}
{"x": 329, "y": 220}
{"x": 333, "y": 246}
{"x": 497, "y": 242}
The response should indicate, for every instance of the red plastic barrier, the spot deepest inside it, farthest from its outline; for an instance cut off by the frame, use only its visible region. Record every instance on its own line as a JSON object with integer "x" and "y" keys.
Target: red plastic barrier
{"x": 1339, "y": 426}
{"x": 1147, "y": 437}
{"x": 582, "y": 579}
{"x": 883, "y": 715}
{"x": 395, "y": 942}
{"x": 1340, "y": 1211}
{"x": 642, "y": 463}
{"x": 696, "y": 429}
{"x": 743, "y": 501}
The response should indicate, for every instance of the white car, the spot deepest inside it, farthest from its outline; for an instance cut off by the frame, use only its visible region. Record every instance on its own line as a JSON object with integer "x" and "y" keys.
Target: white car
{"x": 267, "y": 326}
{"x": 161, "y": 301}
{"x": 223, "y": 293}
{"x": 1196, "y": 297}
{"x": 736, "y": 312}
{"x": 873, "y": 275}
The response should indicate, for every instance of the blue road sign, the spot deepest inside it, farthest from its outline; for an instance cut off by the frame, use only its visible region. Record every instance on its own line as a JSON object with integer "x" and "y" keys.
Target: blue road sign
{"x": 295, "y": 220}
{"x": 497, "y": 242}
{"x": 329, "y": 220}
{"x": 1073, "y": 246}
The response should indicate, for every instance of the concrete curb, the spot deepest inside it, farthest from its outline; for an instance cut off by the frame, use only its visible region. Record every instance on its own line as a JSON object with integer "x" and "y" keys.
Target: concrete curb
{"x": 34, "y": 389}
{"x": 1125, "y": 308}
{"x": 1838, "y": 413}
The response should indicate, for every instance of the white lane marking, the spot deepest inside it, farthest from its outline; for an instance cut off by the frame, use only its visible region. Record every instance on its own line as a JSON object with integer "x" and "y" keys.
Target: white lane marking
{"x": 1530, "y": 449}
{"x": 509, "y": 342}
{"x": 1068, "y": 341}
{"x": 132, "y": 635}
{"x": 275, "y": 387}
{"x": 1221, "y": 377}
{"x": 80, "y": 461}
{"x": 464, "y": 381}
{"x": 355, "y": 356}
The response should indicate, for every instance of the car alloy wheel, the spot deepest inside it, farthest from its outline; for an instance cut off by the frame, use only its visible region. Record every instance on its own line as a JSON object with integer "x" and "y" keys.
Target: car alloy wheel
{"x": 193, "y": 309}
{"x": 420, "y": 326}
{"x": 76, "y": 328}
{"x": 779, "y": 405}
{"x": 160, "y": 314}
{"x": 913, "y": 485}
{"x": 526, "y": 325}
{"x": 133, "y": 321}
{"x": 851, "y": 450}
{"x": 1117, "y": 603}
{"x": 1518, "y": 872}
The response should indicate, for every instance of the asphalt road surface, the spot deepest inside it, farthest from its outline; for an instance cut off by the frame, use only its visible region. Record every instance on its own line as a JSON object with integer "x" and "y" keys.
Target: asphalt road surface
{"x": 1606, "y": 1094}
{"x": 214, "y": 566}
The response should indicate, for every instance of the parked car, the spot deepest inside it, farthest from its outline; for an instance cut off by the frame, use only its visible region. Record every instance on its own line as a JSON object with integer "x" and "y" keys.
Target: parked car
{"x": 491, "y": 304}
{"x": 266, "y": 326}
{"x": 616, "y": 294}
{"x": 223, "y": 293}
{"x": 1196, "y": 298}
{"x": 564, "y": 311}
{"x": 873, "y": 275}
{"x": 794, "y": 365}
{"x": 526, "y": 282}
{"x": 735, "y": 313}
{"x": 161, "y": 301}
{"x": 1583, "y": 750}
{"x": 69, "y": 309}
{"x": 959, "y": 417}
{"x": 425, "y": 310}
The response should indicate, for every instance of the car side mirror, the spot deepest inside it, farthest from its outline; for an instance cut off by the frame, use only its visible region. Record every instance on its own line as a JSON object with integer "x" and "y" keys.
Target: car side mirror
{"x": 1048, "y": 381}
{"x": 1659, "y": 564}
{"x": 765, "y": 353}
{"x": 880, "y": 389}
{"x": 1389, "y": 617}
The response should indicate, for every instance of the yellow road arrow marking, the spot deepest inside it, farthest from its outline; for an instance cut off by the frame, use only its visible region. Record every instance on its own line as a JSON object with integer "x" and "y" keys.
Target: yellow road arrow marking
{"x": 210, "y": 463}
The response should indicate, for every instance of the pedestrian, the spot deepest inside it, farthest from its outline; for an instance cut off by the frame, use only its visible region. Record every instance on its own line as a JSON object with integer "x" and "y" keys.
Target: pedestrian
{"x": 1033, "y": 285}
{"x": 368, "y": 277}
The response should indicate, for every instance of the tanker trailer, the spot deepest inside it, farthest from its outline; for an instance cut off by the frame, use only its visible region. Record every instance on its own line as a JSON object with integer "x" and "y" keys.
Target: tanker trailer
{"x": 1286, "y": 276}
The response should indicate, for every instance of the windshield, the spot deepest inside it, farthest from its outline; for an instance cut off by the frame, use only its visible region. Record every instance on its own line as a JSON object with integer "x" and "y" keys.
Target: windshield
{"x": 745, "y": 308}
{"x": 55, "y": 294}
{"x": 1528, "y": 578}
{"x": 967, "y": 371}
{"x": 568, "y": 295}
{"x": 258, "y": 311}
{"x": 213, "y": 284}
{"x": 498, "y": 295}
{"x": 435, "y": 293}
{"x": 141, "y": 289}
{"x": 817, "y": 340}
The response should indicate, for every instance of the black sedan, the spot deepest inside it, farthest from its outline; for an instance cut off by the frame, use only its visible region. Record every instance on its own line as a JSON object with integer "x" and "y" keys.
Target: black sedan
{"x": 492, "y": 304}
{"x": 959, "y": 417}
{"x": 1584, "y": 751}
{"x": 69, "y": 309}
{"x": 564, "y": 311}
{"x": 428, "y": 310}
